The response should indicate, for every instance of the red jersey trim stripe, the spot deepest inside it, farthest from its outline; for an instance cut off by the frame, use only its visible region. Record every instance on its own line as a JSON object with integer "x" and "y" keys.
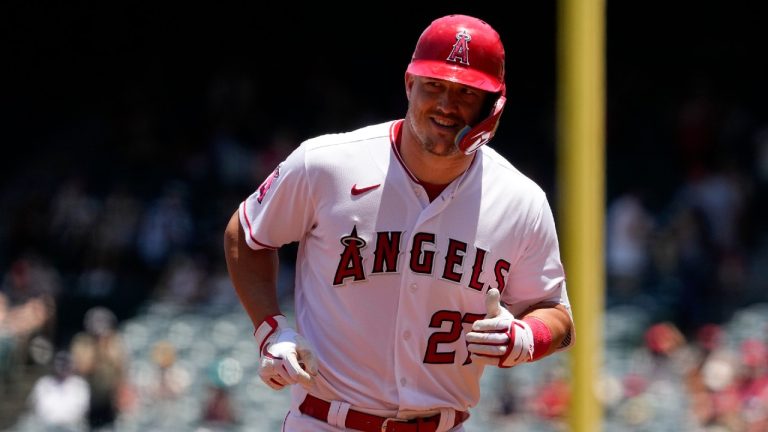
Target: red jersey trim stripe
{"x": 394, "y": 138}
{"x": 250, "y": 232}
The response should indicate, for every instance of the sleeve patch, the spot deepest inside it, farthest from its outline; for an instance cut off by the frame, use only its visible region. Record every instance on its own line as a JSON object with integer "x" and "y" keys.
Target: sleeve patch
{"x": 266, "y": 184}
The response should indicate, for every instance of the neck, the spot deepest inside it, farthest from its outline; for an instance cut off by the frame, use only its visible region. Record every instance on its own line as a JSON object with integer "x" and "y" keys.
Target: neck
{"x": 429, "y": 167}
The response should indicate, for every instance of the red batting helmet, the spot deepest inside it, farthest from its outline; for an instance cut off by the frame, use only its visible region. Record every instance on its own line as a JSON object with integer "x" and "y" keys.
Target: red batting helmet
{"x": 468, "y": 51}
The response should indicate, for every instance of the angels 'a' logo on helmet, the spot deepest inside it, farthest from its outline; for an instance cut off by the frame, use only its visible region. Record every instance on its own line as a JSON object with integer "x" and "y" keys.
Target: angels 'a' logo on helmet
{"x": 460, "y": 51}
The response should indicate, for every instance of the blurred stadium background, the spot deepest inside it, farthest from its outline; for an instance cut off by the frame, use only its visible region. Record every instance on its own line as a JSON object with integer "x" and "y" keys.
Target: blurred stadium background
{"x": 131, "y": 132}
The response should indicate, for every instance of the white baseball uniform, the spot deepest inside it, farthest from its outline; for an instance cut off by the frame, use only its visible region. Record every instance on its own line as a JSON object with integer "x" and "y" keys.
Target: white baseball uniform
{"x": 387, "y": 282}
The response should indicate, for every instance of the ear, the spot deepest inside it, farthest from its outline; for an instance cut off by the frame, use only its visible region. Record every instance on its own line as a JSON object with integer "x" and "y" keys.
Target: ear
{"x": 409, "y": 80}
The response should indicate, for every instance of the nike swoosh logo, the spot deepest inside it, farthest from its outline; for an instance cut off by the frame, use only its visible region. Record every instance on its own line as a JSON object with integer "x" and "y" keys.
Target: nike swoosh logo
{"x": 356, "y": 191}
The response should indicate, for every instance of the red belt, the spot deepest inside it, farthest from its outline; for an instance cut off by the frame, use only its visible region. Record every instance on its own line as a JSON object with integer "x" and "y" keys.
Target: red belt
{"x": 361, "y": 421}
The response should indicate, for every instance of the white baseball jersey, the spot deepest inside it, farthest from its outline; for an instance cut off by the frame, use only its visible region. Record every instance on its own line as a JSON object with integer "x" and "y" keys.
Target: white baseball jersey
{"x": 387, "y": 282}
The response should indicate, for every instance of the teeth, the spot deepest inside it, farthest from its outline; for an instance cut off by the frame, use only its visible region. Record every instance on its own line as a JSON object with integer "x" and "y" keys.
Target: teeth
{"x": 443, "y": 122}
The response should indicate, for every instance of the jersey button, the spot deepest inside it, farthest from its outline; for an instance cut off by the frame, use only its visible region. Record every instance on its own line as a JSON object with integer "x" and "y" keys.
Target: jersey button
{"x": 406, "y": 334}
{"x": 403, "y": 382}
{"x": 414, "y": 287}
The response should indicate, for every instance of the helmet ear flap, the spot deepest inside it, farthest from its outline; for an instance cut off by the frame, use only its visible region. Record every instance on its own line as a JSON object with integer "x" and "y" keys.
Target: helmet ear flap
{"x": 470, "y": 139}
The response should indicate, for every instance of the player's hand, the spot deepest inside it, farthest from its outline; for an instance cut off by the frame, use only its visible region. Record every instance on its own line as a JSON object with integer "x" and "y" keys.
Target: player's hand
{"x": 499, "y": 339}
{"x": 286, "y": 357}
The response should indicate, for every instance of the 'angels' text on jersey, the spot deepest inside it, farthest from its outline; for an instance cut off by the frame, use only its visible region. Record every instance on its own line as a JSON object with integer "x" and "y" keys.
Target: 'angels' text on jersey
{"x": 422, "y": 259}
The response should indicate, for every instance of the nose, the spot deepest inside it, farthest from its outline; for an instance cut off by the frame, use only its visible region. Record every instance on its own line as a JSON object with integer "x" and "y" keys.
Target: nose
{"x": 447, "y": 102}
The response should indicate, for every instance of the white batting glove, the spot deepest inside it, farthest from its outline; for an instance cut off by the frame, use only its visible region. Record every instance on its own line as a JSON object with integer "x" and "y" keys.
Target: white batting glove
{"x": 499, "y": 339}
{"x": 286, "y": 358}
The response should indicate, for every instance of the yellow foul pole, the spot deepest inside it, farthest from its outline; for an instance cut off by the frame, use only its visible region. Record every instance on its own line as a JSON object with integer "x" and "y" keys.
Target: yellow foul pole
{"x": 581, "y": 191}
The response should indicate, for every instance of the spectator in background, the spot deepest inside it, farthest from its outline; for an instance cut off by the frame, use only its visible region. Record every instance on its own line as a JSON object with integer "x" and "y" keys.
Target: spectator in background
{"x": 171, "y": 380}
{"x": 629, "y": 226}
{"x": 553, "y": 396}
{"x": 218, "y": 407}
{"x": 115, "y": 232}
{"x": 27, "y": 307}
{"x": 7, "y": 344}
{"x": 73, "y": 215}
{"x": 218, "y": 288}
{"x": 695, "y": 269}
{"x": 166, "y": 227}
{"x": 710, "y": 382}
{"x": 218, "y": 411}
{"x": 60, "y": 400}
{"x": 753, "y": 385}
{"x": 720, "y": 194}
{"x": 110, "y": 249}
{"x": 99, "y": 356}
{"x": 30, "y": 277}
{"x": 182, "y": 283}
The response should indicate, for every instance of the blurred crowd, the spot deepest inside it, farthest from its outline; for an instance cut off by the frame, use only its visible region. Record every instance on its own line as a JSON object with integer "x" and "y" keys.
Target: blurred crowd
{"x": 83, "y": 248}
{"x": 694, "y": 249}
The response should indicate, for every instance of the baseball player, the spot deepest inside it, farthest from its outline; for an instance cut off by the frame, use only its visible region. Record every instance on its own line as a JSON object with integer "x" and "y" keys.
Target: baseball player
{"x": 424, "y": 256}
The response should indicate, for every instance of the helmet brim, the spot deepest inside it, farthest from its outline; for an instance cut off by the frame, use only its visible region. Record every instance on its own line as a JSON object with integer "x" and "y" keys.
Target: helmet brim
{"x": 455, "y": 73}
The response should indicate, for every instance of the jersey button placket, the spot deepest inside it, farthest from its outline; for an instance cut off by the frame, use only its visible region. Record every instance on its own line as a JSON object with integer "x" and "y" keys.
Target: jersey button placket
{"x": 406, "y": 334}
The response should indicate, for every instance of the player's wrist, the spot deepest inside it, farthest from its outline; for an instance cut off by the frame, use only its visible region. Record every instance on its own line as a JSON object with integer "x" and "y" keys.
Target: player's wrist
{"x": 542, "y": 337}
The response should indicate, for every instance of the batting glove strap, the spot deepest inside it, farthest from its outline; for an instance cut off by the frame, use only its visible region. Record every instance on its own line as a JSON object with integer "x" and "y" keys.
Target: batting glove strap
{"x": 267, "y": 328}
{"x": 520, "y": 348}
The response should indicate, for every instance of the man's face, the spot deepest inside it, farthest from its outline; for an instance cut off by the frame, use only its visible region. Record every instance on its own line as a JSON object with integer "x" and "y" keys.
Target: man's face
{"x": 439, "y": 109}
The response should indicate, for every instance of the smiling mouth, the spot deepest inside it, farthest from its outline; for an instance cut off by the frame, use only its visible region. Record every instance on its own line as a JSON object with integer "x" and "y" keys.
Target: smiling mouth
{"x": 448, "y": 125}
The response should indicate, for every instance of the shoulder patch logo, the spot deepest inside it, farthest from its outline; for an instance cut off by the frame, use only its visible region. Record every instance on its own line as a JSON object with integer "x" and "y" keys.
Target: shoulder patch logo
{"x": 460, "y": 51}
{"x": 267, "y": 184}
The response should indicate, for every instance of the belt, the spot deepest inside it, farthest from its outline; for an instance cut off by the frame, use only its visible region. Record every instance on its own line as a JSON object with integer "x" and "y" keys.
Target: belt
{"x": 318, "y": 408}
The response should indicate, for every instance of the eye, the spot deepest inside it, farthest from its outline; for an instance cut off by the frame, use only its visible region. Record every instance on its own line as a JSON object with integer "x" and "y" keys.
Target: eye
{"x": 434, "y": 84}
{"x": 469, "y": 91}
